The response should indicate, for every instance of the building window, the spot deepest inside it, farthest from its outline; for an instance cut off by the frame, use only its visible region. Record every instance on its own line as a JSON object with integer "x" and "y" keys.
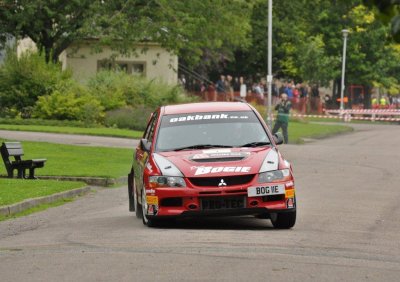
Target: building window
{"x": 129, "y": 67}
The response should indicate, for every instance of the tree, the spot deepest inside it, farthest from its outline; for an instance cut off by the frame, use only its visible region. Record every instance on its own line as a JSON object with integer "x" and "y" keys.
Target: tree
{"x": 195, "y": 30}
{"x": 389, "y": 13}
{"x": 307, "y": 43}
{"x": 52, "y": 25}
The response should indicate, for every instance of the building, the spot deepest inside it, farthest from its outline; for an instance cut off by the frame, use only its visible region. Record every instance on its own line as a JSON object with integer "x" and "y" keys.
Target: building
{"x": 154, "y": 63}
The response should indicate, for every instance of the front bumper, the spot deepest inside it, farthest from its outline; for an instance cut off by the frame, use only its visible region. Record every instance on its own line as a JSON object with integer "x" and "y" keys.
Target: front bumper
{"x": 188, "y": 202}
{"x": 231, "y": 212}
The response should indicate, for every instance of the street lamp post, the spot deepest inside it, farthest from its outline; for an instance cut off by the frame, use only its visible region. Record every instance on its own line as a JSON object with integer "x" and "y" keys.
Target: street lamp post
{"x": 345, "y": 34}
{"x": 269, "y": 76}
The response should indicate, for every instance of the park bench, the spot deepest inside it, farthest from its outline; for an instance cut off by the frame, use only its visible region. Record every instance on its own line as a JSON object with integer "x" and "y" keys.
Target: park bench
{"x": 14, "y": 149}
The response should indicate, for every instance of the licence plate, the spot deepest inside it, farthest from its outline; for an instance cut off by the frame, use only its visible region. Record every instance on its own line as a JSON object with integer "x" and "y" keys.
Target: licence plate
{"x": 265, "y": 190}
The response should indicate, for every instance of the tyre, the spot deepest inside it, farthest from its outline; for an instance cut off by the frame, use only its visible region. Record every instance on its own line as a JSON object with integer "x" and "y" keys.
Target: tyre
{"x": 131, "y": 195}
{"x": 284, "y": 220}
{"x": 138, "y": 207}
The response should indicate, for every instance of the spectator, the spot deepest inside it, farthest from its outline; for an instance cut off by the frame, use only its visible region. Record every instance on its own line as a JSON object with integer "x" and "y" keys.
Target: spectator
{"x": 236, "y": 85}
{"x": 229, "y": 88}
{"x": 289, "y": 90}
{"x": 211, "y": 93}
{"x": 220, "y": 87}
{"x": 375, "y": 103}
{"x": 282, "y": 120}
{"x": 243, "y": 88}
{"x": 383, "y": 102}
{"x": 328, "y": 101}
{"x": 182, "y": 81}
{"x": 303, "y": 91}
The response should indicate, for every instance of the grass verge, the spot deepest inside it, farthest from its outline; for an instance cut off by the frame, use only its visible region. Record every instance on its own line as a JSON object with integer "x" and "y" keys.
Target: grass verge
{"x": 16, "y": 190}
{"x": 38, "y": 208}
{"x": 97, "y": 131}
{"x": 70, "y": 160}
{"x": 298, "y": 131}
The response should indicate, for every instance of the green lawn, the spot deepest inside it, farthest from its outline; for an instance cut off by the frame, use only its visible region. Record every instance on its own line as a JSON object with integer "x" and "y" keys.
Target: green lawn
{"x": 70, "y": 160}
{"x": 16, "y": 190}
{"x": 298, "y": 130}
{"x": 99, "y": 131}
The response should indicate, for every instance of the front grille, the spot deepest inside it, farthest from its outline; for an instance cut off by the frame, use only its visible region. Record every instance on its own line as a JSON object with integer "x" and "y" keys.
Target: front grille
{"x": 222, "y": 203}
{"x": 214, "y": 181}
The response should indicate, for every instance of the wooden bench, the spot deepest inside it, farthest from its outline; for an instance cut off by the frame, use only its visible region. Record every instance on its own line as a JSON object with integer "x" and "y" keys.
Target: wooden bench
{"x": 14, "y": 149}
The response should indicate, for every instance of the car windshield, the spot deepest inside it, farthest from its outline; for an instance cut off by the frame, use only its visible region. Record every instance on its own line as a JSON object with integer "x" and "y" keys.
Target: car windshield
{"x": 210, "y": 130}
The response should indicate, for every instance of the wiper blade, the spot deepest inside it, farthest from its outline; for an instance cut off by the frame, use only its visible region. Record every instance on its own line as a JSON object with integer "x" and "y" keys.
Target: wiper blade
{"x": 256, "y": 144}
{"x": 201, "y": 146}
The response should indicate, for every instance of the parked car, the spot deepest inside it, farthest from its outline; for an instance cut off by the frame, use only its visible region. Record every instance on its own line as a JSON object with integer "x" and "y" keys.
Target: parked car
{"x": 206, "y": 159}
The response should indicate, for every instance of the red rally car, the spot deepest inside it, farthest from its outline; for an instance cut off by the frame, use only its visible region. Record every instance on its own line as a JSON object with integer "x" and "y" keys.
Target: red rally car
{"x": 205, "y": 159}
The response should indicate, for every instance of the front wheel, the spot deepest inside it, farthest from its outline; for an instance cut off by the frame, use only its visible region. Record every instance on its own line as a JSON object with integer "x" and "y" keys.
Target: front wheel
{"x": 284, "y": 220}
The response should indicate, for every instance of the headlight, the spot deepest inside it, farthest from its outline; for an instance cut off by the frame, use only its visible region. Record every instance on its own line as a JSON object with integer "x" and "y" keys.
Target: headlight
{"x": 166, "y": 181}
{"x": 270, "y": 176}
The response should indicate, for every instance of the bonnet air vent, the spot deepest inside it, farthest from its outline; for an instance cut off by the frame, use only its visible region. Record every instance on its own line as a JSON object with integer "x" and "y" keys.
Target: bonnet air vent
{"x": 224, "y": 159}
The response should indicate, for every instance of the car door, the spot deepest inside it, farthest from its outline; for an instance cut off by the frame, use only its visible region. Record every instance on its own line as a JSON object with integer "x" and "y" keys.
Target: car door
{"x": 143, "y": 152}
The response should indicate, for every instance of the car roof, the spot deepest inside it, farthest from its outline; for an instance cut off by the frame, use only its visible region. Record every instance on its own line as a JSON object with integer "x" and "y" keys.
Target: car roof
{"x": 206, "y": 108}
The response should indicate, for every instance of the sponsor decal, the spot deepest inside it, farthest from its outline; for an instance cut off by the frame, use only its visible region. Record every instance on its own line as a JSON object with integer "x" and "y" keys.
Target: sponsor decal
{"x": 290, "y": 203}
{"x": 149, "y": 167}
{"x": 207, "y": 117}
{"x": 150, "y": 191}
{"x": 289, "y": 193}
{"x": 152, "y": 209}
{"x": 152, "y": 200}
{"x": 218, "y": 169}
{"x": 290, "y": 184}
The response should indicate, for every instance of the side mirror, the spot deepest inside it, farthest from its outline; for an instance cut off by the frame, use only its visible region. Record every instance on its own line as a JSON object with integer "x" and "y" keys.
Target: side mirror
{"x": 145, "y": 145}
{"x": 278, "y": 137}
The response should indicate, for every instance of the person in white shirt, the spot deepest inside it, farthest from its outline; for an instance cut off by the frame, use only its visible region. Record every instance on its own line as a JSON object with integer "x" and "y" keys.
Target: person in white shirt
{"x": 243, "y": 88}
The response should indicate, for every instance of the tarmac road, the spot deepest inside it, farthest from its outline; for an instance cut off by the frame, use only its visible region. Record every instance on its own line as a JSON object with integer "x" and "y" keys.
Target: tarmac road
{"x": 347, "y": 230}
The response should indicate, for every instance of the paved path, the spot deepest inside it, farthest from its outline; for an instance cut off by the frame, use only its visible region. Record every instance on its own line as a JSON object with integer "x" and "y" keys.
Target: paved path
{"x": 81, "y": 140}
{"x": 348, "y": 229}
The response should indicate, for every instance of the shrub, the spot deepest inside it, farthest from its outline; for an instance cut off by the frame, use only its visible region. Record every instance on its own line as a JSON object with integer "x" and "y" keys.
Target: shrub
{"x": 70, "y": 101}
{"x": 24, "y": 79}
{"x": 117, "y": 89}
{"x": 106, "y": 86}
{"x": 128, "y": 117}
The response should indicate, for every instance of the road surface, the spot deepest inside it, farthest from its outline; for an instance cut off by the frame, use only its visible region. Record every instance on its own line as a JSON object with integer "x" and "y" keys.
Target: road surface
{"x": 348, "y": 228}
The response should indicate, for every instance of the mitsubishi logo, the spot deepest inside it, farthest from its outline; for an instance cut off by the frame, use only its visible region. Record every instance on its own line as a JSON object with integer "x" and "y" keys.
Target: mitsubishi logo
{"x": 221, "y": 183}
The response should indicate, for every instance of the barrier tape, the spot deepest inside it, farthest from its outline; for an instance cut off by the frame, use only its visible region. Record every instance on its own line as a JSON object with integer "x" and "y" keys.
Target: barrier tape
{"x": 367, "y": 111}
{"x": 346, "y": 117}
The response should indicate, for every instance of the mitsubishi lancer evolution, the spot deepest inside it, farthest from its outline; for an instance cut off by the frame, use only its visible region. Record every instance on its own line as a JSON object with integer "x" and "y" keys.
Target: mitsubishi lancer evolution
{"x": 207, "y": 159}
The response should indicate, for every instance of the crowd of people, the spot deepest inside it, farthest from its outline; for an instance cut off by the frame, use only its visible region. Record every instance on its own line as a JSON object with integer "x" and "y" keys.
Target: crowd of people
{"x": 385, "y": 102}
{"x": 229, "y": 88}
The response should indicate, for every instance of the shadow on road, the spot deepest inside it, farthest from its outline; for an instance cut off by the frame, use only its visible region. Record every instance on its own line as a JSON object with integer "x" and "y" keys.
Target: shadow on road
{"x": 219, "y": 223}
